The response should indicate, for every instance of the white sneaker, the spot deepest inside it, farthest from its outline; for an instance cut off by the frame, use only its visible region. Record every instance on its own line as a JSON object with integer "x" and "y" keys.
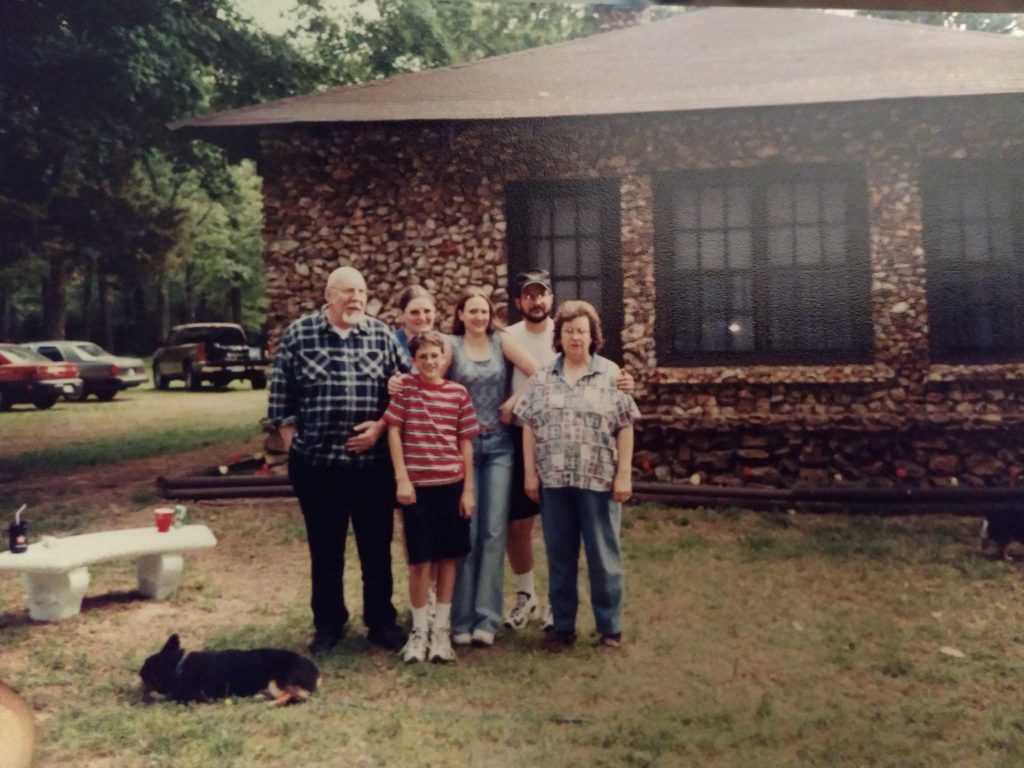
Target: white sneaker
{"x": 415, "y": 649}
{"x": 549, "y": 620}
{"x": 462, "y": 638}
{"x": 525, "y": 609}
{"x": 441, "y": 651}
{"x": 482, "y": 638}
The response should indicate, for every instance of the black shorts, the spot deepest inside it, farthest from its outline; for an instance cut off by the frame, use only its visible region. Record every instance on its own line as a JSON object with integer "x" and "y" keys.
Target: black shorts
{"x": 520, "y": 506}
{"x": 434, "y": 529}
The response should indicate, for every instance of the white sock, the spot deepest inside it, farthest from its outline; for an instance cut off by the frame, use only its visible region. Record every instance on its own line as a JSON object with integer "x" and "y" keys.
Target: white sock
{"x": 523, "y": 582}
{"x": 419, "y": 618}
{"x": 443, "y": 617}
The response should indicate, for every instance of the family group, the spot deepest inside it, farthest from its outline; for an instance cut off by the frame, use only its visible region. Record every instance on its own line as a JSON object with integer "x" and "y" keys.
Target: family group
{"x": 474, "y": 434}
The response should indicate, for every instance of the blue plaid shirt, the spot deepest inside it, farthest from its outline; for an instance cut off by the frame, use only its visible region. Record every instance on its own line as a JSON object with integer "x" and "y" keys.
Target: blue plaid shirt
{"x": 323, "y": 385}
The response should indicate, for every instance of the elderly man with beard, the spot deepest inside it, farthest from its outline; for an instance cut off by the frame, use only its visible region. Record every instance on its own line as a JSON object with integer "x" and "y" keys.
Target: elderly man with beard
{"x": 328, "y": 392}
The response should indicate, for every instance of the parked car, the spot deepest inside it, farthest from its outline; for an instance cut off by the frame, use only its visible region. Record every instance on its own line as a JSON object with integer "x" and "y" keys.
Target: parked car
{"x": 102, "y": 373}
{"x": 28, "y": 377}
{"x": 216, "y": 352}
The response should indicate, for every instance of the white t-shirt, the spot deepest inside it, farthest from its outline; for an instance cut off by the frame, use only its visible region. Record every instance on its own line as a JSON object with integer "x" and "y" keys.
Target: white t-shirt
{"x": 537, "y": 345}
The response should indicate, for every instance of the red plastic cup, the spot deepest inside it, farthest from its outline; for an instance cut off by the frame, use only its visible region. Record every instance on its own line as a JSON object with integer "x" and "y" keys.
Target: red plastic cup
{"x": 164, "y": 517}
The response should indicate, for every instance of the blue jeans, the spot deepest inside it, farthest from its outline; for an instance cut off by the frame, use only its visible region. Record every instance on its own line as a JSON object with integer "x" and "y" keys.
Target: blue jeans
{"x": 569, "y": 515}
{"x": 477, "y": 601}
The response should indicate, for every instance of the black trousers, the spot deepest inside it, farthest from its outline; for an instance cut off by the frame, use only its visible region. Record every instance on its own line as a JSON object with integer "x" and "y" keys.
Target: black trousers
{"x": 329, "y": 497}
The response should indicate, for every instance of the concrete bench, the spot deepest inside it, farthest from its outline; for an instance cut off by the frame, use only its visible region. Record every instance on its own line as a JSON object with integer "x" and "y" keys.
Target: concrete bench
{"x": 55, "y": 574}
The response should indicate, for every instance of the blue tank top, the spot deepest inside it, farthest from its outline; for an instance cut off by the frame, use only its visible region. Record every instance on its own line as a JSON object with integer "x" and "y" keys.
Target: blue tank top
{"x": 485, "y": 379}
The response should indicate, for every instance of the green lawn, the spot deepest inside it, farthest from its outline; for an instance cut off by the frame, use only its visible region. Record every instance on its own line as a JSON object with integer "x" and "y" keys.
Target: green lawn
{"x": 138, "y": 423}
{"x": 751, "y": 640}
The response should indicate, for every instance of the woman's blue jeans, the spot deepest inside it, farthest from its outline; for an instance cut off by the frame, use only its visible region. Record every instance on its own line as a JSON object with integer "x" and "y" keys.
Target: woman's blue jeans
{"x": 568, "y": 516}
{"x": 477, "y": 601}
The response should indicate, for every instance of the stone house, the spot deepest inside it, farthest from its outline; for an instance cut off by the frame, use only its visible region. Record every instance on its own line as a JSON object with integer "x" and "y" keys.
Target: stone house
{"x": 805, "y": 232}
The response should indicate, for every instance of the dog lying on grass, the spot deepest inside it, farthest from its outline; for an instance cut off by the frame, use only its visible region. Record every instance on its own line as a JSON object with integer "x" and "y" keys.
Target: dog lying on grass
{"x": 272, "y": 673}
{"x": 17, "y": 730}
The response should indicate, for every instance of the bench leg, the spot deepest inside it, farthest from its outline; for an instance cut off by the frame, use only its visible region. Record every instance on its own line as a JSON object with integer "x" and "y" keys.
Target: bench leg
{"x": 159, "y": 575}
{"x": 55, "y": 596}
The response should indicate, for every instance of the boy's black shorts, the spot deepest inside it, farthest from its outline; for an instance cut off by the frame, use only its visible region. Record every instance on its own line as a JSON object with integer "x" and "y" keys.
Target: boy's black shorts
{"x": 434, "y": 530}
{"x": 520, "y": 506}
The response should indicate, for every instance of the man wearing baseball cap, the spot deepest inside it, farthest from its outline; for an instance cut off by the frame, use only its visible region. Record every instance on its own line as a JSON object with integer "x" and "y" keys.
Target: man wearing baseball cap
{"x": 535, "y": 333}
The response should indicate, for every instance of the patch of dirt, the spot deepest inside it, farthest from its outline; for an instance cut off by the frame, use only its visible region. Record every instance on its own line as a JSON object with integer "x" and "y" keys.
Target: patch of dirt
{"x": 228, "y": 586}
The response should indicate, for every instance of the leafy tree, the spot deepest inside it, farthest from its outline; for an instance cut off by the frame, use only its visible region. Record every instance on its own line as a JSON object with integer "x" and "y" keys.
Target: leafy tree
{"x": 86, "y": 90}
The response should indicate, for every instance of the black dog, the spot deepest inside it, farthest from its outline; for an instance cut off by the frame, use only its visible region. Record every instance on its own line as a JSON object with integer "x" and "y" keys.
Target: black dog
{"x": 281, "y": 675}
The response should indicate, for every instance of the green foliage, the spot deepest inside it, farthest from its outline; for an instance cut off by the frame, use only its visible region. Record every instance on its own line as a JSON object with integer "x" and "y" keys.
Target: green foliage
{"x": 1006, "y": 23}
{"x": 111, "y": 221}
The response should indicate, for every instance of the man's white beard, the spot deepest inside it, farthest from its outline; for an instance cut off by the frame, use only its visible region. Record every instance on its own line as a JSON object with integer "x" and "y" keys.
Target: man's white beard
{"x": 352, "y": 318}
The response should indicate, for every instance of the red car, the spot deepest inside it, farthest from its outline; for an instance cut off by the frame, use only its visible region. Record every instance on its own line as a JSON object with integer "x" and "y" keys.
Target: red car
{"x": 28, "y": 377}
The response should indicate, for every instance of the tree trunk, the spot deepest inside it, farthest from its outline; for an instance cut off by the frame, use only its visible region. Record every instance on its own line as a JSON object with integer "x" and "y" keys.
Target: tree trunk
{"x": 5, "y": 329}
{"x": 106, "y": 327}
{"x": 54, "y": 305}
{"x": 87, "y": 323}
{"x": 235, "y": 299}
{"x": 163, "y": 309}
{"x": 190, "y": 299}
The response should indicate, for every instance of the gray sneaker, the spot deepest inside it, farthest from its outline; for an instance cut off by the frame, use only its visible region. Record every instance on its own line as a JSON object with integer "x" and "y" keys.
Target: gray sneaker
{"x": 525, "y": 609}
{"x": 441, "y": 651}
{"x": 415, "y": 649}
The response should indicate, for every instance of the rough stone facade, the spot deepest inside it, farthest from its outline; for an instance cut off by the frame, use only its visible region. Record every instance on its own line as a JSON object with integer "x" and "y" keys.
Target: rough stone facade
{"x": 426, "y": 204}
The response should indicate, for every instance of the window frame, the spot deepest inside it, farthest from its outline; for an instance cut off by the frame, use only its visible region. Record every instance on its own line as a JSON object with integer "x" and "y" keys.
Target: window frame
{"x": 667, "y": 184}
{"x": 518, "y": 195}
{"x": 935, "y": 174}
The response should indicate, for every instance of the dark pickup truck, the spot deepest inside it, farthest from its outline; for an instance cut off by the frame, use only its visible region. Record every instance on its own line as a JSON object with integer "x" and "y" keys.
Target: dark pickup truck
{"x": 215, "y": 352}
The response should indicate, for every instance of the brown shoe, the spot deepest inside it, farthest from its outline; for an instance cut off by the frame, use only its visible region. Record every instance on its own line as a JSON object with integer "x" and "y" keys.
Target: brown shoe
{"x": 556, "y": 642}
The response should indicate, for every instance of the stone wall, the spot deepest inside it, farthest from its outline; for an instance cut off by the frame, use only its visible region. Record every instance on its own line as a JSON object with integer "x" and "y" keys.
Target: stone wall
{"x": 426, "y": 204}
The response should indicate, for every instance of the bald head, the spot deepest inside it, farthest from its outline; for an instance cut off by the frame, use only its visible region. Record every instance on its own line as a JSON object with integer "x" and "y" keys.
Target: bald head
{"x": 346, "y": 296}
{"x": 345, "y": 275}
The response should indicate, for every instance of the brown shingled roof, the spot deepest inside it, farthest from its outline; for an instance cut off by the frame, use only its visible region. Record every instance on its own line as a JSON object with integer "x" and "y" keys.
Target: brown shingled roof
{"x": 707, "y": 59}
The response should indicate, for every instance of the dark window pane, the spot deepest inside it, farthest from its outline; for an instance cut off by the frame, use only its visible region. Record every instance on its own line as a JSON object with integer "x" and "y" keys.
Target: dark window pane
{"x": 590, "y": 219}
{"x": 741, "y": 333}
{"x": 972, "y": 199}
{"x": 740, "y": 245}
{"x": 538, "y": 218}
{"x": 590, "y": 256}
{"x": 833, "y": 202}
{"x": 565, "y": 257}
{"x": 686, "y": 209}
{"x": 833, "y": 244}
{"x": 712, "y": 207}
{"x": 780, "y": 246}
{"x": 565, "y": 216}
{"x": 712, "y": 249}
{"x": 564, "y": 290}
{"x": 687, "y": 253}
{"x": 717, "y": 292}
{"x": 806, "y": 203}
{"x": 808, "y": 245}
{"x": 976, "y": 241}
{"x": 779, "y": 204}
{"x": 538, "y": 253}
{"x": 715, "y": 335}
{"x": 590, "y": 290}
{"x": 740, "y": 213}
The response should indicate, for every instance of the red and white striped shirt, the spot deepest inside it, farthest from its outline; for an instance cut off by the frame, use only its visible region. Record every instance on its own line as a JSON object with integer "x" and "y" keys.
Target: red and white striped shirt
{"x": 433, "y": 418}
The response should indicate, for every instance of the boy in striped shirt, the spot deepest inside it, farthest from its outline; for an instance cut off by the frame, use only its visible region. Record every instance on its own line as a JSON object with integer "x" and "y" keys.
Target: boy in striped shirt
{"x": 431, "y": 424}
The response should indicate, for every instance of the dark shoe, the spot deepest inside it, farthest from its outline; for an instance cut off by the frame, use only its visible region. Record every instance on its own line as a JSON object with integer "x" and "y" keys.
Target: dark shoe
{"x": 390, "y": 638}
{"x": 324, "y": 642}
{"x": 556, "y": 642}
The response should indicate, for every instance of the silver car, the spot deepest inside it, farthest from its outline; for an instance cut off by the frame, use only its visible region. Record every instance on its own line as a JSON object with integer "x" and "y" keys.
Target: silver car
{"x": 102, "y": 373}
